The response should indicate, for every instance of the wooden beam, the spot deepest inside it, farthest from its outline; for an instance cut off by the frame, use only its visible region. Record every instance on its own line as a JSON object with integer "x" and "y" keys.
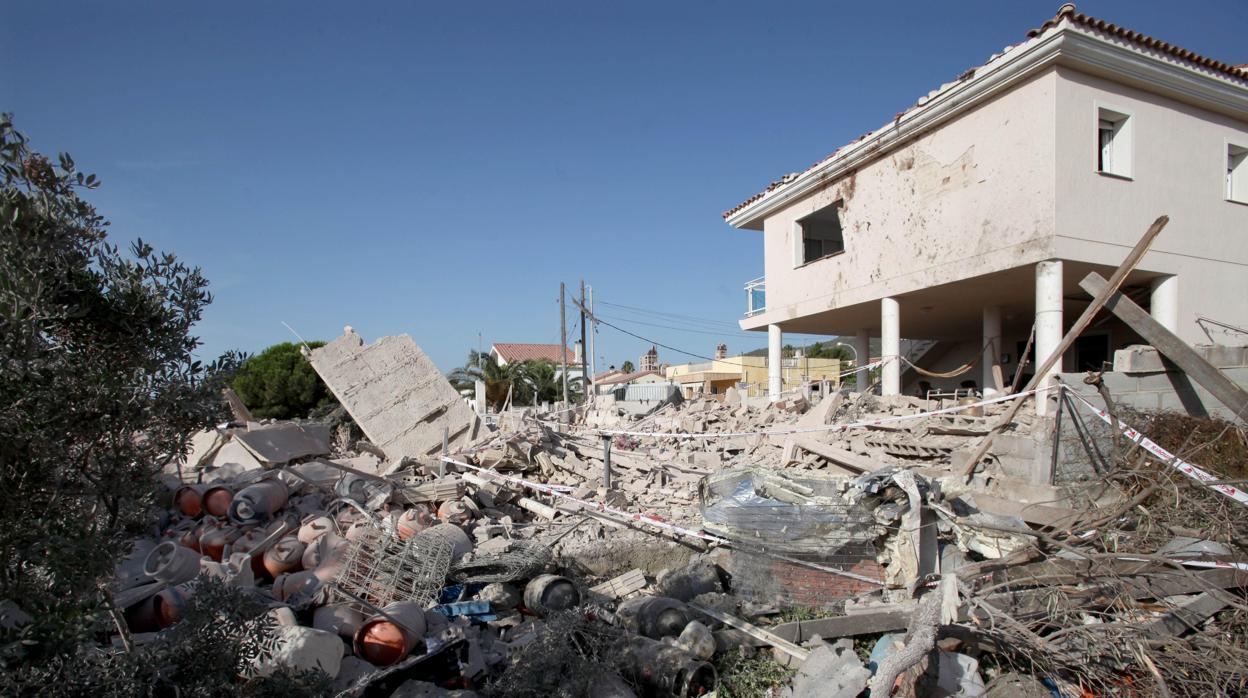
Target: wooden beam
{"x": 1115, "y": 281}
{"x": 1175, "y": 349}
{"x": 798, "y": 653}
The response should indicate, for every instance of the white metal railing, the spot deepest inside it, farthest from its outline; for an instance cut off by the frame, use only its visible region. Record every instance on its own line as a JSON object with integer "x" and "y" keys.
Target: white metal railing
{"x": 755, "y": 296}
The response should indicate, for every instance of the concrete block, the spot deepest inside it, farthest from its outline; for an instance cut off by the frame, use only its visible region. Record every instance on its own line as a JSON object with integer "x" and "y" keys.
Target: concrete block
{"x": 1223, "y": 356}
{"x": 1138, "y": 358}
{"x": 395, "y": 393}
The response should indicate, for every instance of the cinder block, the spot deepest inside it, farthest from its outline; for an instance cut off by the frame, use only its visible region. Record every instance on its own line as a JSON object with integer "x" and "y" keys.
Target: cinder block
{"x": 1138, "y": 358}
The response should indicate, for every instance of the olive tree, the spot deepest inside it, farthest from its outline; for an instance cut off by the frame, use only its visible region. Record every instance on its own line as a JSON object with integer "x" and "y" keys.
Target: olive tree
{"x": 99, "y": 391}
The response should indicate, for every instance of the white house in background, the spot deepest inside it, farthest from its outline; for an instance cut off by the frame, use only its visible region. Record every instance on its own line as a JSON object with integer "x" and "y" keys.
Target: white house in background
{"x": 505, "y": 353}
{"x": 977, "y": 211}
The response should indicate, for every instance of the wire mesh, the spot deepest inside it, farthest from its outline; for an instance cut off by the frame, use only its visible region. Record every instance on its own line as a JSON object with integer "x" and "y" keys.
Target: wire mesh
{"x": 521, "y": 559}
{"x": 381, "y": 568}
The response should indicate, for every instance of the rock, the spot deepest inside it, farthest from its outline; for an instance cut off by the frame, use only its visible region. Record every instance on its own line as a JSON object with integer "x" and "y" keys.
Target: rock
{"x": 830, "y": 672}
{"x": 502, "y": 597}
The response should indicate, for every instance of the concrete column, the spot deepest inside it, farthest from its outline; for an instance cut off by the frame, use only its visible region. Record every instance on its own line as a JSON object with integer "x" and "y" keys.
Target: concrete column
{"x": 991, "y": 339}
{"x": 1048, "y": 322}
{"x": 890, "y": 341}
{"x": 862, "y": 352}
{"x": 775, "y": 359}
{"x": 1163, "y": 305}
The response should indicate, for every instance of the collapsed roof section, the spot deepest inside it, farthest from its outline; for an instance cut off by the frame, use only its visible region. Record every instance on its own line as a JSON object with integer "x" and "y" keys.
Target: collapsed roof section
{"x": 396, "y": 394}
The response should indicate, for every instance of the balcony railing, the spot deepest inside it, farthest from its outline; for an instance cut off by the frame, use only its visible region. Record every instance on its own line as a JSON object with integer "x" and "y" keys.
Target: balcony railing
{"x": 755, "y": 296}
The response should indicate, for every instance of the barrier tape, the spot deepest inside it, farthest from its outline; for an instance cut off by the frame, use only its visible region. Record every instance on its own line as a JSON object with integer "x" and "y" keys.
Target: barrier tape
{"x": 651, "y": 520}
{"x": 808, "y": 430}
{"x": 1162, "y": 454}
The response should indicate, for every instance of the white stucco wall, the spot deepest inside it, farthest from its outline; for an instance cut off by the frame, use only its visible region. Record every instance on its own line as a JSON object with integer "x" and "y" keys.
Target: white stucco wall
{"x": 971, "y": 197}
{"x": 1178, "y": 168}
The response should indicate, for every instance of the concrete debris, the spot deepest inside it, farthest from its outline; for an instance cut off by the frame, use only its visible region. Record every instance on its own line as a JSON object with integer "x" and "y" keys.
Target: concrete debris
{"x": 395, "y": 394}
{"x": 831, "y": 671}
{"x": 687, "y": 532}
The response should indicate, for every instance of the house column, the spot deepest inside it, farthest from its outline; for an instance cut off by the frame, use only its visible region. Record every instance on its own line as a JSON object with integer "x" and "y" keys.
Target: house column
{"x": 1163, "y": 304}
{"x": 775, "y": 359}
{"x": 890, "y": 350}
{"x": 991, "y": 377}
{"x": 1048, "y": 324}
{"x": 862, "y": 354}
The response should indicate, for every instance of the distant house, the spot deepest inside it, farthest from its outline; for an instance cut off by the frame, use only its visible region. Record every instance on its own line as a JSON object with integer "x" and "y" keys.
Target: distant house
{"x": 505, "y": 353}
{"x": 614, "y": 379}
{"x": 749, "y": 373}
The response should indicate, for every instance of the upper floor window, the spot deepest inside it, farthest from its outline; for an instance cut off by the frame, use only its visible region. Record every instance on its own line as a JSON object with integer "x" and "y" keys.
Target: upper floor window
{"x": 821, "y": 234}
{"x": 1113, "y": 142}
{"x": 1236, "y": 173}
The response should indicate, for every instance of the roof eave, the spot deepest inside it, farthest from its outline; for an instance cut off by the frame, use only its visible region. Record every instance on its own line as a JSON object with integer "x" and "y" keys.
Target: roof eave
{"x": 1064, "y": 43}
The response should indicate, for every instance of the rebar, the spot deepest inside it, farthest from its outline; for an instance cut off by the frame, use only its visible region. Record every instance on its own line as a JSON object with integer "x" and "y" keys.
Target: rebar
{"x": 520, "y": 560}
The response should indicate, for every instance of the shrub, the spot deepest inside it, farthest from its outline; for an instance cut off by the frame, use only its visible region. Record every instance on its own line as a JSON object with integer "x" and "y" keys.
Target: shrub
{"x": 279, "y": 383}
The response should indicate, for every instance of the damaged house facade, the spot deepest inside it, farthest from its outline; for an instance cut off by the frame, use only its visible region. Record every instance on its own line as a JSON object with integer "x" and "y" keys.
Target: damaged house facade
{"x": 974, "y": 214}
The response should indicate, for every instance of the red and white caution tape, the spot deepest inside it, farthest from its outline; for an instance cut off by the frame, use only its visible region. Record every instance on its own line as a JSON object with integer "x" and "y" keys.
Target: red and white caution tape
{"x": 1165, "y": 456}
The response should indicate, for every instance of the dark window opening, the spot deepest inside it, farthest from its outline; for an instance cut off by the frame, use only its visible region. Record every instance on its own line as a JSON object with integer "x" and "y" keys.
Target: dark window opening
{"x": 821, "y": 233}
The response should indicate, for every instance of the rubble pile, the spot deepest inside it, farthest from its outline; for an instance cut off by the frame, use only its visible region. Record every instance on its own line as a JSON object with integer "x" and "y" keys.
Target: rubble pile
{"x": 590, "y": 552}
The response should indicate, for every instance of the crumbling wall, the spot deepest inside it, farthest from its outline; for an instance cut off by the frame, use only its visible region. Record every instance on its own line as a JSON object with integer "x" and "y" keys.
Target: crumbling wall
{"x": 395, "y": 393}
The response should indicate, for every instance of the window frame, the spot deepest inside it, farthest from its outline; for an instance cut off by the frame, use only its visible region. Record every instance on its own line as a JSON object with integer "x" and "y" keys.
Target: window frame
{"x": 1234, "y": 179}
{"x": 1123, "y": 140}
{"x": 798, "y": 234}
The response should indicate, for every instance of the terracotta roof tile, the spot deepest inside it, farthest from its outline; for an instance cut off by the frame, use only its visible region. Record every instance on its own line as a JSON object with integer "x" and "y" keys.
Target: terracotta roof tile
{"x": 514, "y": 352}
{"x": 1066, "y": 12}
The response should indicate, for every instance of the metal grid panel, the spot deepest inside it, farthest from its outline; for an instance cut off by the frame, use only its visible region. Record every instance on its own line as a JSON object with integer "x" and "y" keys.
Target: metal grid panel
{"x": 383, "y": 569}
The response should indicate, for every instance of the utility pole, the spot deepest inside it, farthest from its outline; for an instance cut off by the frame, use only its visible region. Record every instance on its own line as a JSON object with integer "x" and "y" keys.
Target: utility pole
{"x": 593, "y": 357}
{"x": 584, "y": 348}
{"x": 563, "y": 340}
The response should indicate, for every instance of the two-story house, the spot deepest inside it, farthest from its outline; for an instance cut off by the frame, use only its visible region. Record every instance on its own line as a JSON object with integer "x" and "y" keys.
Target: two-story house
{"x": 972, "y": 216}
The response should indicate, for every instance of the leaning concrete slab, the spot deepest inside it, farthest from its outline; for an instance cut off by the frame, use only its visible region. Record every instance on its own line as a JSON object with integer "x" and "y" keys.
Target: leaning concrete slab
{"x": 285, "y": 441}
{"x": 395, "y": 393}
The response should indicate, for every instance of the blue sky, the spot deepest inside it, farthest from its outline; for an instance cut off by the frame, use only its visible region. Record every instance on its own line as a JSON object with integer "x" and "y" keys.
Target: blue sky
{"x": 439, "y": 168}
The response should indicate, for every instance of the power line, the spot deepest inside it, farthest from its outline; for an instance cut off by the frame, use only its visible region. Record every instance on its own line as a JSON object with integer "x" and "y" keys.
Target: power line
{"x": 737, "y": 335}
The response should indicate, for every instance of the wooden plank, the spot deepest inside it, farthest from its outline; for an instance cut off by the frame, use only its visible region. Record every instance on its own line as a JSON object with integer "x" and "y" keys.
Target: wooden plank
{"x": 1175, "y": 349}
{"x": 624, "y": 584}
{"x": 1187, "y": 615}
{"x": 798, "y": 653}
{"x": 1115, "y": 281}
{"x": 844, "y": 626}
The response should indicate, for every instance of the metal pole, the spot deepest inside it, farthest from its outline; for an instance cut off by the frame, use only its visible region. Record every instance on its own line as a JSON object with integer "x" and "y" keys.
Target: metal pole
{"x": 563, "y": 343}
{"x": 593, "y": 360}
{"x": 606, "y": 462}
{"x": 1057, "y": 432}
{"x": 584, "y": 347}
{"x": 446, "y": 451}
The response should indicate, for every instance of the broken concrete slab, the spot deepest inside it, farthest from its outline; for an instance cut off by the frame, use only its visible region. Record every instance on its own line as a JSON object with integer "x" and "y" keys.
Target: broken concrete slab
{"x": 830, "y": 672}
{"x": 274, "y": 444}
{"x": 395, "y": 394}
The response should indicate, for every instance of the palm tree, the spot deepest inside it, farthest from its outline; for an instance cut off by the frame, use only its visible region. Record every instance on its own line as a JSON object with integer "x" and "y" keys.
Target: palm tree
{"x": 627, "y": 367}
{"x": 541, "y": 383}
{"x": 483, "y": 367}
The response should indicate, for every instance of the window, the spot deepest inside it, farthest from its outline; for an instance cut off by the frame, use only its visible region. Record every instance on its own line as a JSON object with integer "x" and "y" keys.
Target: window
{"x": 1113, "y": 142}
{"x": 1236, "y": 173}
{"x": 821, "y": 234}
